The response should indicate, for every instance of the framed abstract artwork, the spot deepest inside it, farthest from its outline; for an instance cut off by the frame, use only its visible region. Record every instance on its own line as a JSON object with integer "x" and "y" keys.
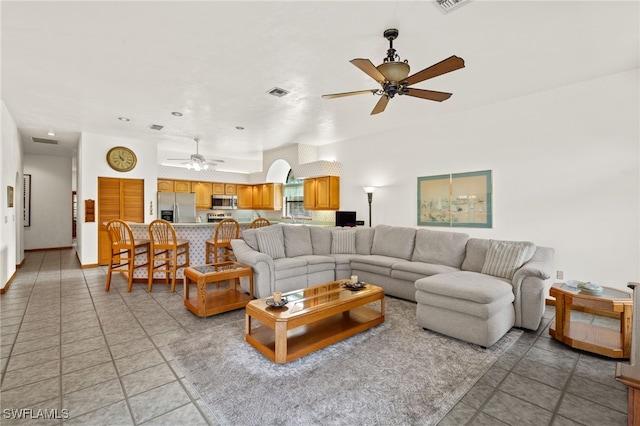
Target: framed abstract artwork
{"x": 456, "y": 200}
{"x": 9, "y": 196}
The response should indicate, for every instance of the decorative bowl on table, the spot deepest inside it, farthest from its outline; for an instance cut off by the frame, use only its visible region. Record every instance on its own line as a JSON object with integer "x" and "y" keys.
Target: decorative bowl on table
{"x": 358, "y": 285}
{"x": 585, "y": 287}
{"x": 273, "y": 304}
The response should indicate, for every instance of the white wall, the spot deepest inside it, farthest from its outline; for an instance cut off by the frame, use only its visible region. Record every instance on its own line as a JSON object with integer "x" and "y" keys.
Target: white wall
{"x": 565, "y": 172}
{"x": 92, "y": 163}
{"x": 11, "y": 245}
{"x": 51, "y": 209}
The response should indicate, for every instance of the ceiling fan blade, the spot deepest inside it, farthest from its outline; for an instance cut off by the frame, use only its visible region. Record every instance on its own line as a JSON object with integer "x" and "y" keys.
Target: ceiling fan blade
{"x": 428, "y": 94}
{"x": 381, "y": 105}
{"x": 340, "y": 95}
{"x": 450, "y": 64}
{"x": 178, "y": 159}
{"x": 368, "y": 68}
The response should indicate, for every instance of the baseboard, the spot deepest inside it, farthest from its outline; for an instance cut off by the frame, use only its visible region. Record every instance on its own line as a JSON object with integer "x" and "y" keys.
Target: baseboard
{"x": 4, "y": 289}
{"x": 51, "y": 248}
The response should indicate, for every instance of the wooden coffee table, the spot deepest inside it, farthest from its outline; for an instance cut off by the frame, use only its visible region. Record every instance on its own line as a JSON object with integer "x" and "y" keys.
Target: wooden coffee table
{"x": 588, "y": 337}
{"x": 205, "y": 303}
{"x": 313, "y": 318}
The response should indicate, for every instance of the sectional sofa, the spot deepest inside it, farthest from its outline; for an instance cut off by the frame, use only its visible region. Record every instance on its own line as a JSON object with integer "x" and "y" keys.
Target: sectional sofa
{"x": 468, "y": 288}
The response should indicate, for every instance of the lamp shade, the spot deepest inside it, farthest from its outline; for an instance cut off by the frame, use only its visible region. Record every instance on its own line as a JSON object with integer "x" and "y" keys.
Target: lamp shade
{"x": 369, "y": 189}
{"x": 394, "y": 71}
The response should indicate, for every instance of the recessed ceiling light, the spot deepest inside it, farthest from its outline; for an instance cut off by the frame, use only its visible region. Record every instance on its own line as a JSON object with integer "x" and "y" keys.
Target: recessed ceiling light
{"x": 239, "y": 128}
{"x": 176, "y": 113}
{"x": 51, "y": 133}
{"x": 123, "y": 119}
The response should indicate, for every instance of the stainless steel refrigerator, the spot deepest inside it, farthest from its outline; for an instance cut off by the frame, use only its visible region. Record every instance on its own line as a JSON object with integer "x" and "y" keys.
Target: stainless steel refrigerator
{"x": 177, "y": 207}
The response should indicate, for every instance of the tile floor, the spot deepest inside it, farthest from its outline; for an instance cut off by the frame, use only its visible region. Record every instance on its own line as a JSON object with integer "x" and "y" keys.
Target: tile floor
{"x": 66, "y": 344}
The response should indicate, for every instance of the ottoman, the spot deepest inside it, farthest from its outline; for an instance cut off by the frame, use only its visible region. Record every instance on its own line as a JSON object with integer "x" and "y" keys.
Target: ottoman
{"x": 469, "y": 306}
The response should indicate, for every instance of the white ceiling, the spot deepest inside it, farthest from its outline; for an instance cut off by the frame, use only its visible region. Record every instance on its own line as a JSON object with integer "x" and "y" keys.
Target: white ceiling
{"x": 73, "y": 67}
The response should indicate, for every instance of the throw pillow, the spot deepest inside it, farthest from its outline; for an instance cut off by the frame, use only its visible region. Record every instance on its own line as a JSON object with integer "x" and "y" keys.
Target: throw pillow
{"x": 504, "y": 258}
{"x": 249, "y": 236}
{"x": 343, "y": 242}
{"x": 271, "y": 243}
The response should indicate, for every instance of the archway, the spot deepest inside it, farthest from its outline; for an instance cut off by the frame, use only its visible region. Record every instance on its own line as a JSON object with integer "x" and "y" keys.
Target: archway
{"x": 278, "y": 171}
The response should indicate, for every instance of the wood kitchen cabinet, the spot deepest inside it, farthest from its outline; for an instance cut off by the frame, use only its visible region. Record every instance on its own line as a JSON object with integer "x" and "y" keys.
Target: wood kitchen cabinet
{"x": 262, "y": 196}
{"x": 230, "y": 189}
{"x": 218, "y": 188}
{"x": 203, "y": 191}
{"x": 245, "y": 196}
{"x": 182, "y": 186}
{"x": 322, "y": 193}
{"x": 165, "y": 185}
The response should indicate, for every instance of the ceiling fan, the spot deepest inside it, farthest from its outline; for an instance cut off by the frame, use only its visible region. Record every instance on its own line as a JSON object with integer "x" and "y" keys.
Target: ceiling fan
{"x": 394, "y": 79}
{"x": 196, "y": 161}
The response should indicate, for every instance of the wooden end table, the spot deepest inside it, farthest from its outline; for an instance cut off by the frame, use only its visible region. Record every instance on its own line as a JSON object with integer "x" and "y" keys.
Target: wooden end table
{"x": 205, "y": 303}
{"x": 313, "y": 318}
{"x": 588, "y": 337}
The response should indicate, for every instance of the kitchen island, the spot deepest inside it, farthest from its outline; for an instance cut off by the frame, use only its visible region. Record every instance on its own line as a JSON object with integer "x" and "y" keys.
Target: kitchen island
{"x": 196, "y": 233}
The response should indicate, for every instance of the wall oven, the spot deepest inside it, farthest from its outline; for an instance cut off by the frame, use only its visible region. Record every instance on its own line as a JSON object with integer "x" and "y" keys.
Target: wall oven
{"x": 224, "y": 202}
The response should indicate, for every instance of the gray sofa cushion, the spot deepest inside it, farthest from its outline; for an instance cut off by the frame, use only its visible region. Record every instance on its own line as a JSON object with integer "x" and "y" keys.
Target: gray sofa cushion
{"x": 476, "y": 254}
{"x": 320, "y": 239}
{"x": 297, "y": 241}
{"x": 394, "y": 241}
{"x": 343, "y": 241}
{"x": 271, "y": 242}
{"x": 411, "y": 271}
{"x": 249, "y": 236}
{"x": 465, "y": 285}
{"x": 289, "y": 267}
{"x": 318, "y": 263}
{"x": 442, "y": 248}
{"x": 364, "y": 240}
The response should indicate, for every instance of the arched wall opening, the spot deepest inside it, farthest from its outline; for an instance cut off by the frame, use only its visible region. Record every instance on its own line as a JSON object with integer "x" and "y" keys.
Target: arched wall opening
{"x": 278, "y": 171}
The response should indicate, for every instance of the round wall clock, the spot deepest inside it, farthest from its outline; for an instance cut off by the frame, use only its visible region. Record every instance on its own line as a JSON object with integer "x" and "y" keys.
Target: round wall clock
{"x": 121, "y": 159}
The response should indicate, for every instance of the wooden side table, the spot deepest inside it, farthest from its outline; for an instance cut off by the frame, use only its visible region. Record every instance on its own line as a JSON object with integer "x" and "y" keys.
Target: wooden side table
{"x": 589, "y": 337}
{"x": 205, "y": 303}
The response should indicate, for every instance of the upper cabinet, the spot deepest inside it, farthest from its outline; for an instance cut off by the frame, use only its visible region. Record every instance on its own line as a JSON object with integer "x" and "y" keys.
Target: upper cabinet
{"x": 230, "y": 189}
{"x": 203, "y": 192}
{"x": 165, "y": 185}
{"x": 263, "y": 196}
{"x": 322, "y": 193}
{"x": 182, "y": 186}
{"x": 245, "y": 196}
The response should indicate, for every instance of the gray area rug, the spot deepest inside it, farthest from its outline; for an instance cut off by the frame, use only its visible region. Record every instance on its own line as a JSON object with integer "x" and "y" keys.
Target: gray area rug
{"x": 394, "y": 374}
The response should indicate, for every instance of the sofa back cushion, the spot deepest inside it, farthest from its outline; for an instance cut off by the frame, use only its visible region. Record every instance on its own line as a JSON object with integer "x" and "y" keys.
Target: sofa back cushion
{"x": 249, "y": 236}
{"x": 271, "y": 242}
{"x": 394, "y": 241}
{"x": 440, "y": 248}
{"x": 504, "y": 258}
{"x": 297, "y": 240}
{"x": 320, "y": 239}
{"x": 343, "y": 241}
{"x": 475, "y": 255}
{"x": 364, "y": 240}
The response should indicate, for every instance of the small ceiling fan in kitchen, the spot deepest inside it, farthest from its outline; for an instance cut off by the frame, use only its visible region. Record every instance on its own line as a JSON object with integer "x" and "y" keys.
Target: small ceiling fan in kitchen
{"x": 197, "y": 162}
{"x": 393, "y": 76}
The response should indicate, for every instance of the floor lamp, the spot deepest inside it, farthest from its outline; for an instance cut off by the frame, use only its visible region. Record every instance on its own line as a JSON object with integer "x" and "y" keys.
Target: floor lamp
{"x": 369, "y": 190}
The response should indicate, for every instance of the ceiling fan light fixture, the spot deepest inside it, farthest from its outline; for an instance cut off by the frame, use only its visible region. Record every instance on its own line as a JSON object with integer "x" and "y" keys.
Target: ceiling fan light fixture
{"x": 394, "y": 71}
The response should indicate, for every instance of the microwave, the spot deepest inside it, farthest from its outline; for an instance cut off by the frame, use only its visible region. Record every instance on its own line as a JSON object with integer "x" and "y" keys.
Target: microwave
{"x": 224, "y": 202}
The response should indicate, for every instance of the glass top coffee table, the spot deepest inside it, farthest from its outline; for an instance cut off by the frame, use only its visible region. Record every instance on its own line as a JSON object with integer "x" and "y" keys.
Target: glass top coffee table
{"x": 589, "y": 337}
{"x": 311, "y": 319}
{"x": 221, "y": 299}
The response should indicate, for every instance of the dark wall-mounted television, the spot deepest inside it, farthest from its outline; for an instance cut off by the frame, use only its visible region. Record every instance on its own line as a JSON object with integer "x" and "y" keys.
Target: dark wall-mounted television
{"x": 345, "y": 218}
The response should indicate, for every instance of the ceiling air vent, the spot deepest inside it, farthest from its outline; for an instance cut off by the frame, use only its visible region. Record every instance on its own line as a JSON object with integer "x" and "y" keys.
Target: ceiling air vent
{"x": 448, "y": 5}
{"x": 155, "y": 127}
{"x": 276, "y": 91}
{"x": 47, "y": 141}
